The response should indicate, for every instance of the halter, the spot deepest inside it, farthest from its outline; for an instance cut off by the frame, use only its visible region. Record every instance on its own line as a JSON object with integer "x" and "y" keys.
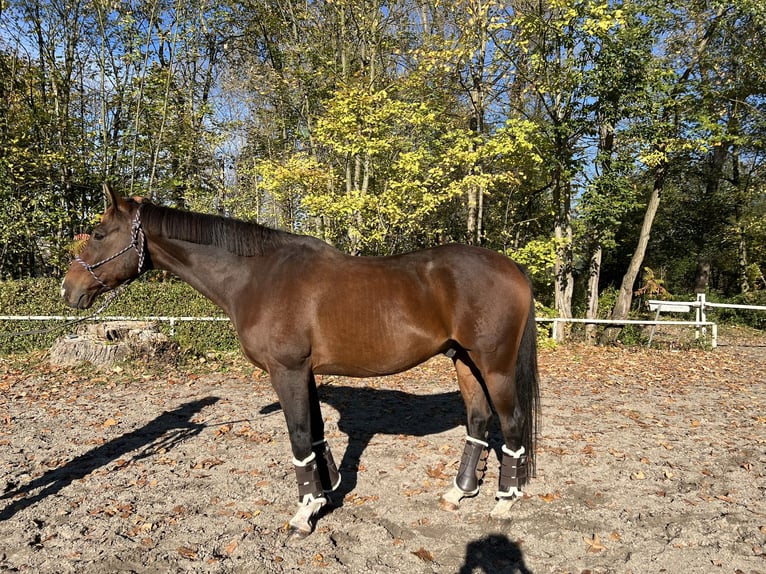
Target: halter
{"x": 137, "y": 243}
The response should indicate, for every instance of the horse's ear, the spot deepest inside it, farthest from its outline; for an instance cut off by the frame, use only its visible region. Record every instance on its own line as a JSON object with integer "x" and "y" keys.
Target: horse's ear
{"x": 112, "y": 196}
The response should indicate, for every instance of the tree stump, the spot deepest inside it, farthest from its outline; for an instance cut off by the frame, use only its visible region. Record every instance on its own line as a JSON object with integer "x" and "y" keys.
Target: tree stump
{"x": 104, "y": 344}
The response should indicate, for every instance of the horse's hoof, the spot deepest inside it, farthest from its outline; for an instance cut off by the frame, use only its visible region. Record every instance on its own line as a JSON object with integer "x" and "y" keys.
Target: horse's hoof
{"x": 502, "y": 510}
{"x": 450, "y": 500}
{"x": 295, "y": 534}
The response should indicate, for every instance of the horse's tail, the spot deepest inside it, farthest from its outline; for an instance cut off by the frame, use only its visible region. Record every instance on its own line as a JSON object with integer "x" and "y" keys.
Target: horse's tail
{"x": 528, "y": 387}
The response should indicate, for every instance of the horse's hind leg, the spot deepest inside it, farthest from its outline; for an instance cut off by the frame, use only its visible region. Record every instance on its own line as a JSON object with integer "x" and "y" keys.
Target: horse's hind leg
{"x": 513, "y": 468}
{"x": 473, "y": 463}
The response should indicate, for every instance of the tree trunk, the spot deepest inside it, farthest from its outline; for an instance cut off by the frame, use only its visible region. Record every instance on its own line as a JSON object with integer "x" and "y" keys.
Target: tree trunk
{"x": 702, "y": 275}
{"x": 594, "y": 273}
{"x": 744, "y": 284}
{"x": 625, "y": 296}
{"x": 473, "y": 210}
{"x": 563, "y": 278}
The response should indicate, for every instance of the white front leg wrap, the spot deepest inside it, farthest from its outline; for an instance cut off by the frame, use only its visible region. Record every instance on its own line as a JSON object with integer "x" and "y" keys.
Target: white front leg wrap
{"x": 473, "y": 464}
{"x": 310, "y": 495}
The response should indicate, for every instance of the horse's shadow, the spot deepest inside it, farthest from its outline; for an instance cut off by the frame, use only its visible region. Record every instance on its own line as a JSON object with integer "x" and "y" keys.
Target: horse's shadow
{"x": 163, "y": 432}
{"x": 366, "y": 412}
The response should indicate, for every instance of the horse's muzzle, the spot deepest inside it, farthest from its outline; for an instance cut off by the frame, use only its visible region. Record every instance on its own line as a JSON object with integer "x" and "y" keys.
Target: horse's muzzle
{"x": 77, "y": 298}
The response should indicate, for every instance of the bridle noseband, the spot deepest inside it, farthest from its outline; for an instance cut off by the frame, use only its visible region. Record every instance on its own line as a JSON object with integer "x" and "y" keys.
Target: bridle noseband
{"x": 137, "y": 243}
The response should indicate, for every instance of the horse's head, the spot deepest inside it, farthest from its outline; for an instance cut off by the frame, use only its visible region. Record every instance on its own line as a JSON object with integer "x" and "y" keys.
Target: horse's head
{"x": 113, "y": 254}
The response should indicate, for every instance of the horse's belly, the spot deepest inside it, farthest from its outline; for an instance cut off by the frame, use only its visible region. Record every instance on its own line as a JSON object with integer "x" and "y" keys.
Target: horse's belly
{"x": 374, "y": 356}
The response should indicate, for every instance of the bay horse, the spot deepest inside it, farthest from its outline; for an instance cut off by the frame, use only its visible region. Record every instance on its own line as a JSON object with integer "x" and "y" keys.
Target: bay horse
{"x": 300, "y": 307}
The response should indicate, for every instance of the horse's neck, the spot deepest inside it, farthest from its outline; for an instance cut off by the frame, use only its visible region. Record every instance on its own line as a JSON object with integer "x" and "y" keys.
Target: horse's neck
{"x": 214, "y": 272}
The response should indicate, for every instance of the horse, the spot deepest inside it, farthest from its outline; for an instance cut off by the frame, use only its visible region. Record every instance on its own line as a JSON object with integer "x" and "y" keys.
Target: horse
{"x": 301, "y": 307}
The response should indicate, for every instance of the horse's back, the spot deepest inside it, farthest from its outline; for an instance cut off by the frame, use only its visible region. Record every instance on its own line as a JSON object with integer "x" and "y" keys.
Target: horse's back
{"x": 373, "y": 316}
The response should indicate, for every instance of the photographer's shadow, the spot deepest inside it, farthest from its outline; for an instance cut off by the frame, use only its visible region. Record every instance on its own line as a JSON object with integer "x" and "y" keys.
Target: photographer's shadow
{"x": 493, "y": 554}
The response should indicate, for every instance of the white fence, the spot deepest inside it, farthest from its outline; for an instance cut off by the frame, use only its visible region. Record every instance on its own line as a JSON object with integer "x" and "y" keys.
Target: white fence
{"x": 653, "y": 324}
{"x": 74, "y": 319}
{"x": 700, "y": 306}
{"x": 700, "y": 322}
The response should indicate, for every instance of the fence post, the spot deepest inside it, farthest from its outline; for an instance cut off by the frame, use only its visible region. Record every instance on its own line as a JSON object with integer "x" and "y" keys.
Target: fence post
{"x": 701, "y": 315}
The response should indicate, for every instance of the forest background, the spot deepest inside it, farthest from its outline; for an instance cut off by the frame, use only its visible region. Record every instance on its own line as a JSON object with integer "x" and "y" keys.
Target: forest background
{"x": 613, "y": 147}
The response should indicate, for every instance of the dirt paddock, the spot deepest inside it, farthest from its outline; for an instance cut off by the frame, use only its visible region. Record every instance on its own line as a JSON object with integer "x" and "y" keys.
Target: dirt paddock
{"x": 649, "y": 461}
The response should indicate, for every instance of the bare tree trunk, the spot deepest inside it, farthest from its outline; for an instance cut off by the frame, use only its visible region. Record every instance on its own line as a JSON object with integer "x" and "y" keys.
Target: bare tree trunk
{"x": 744, "y": 284}
{"x": 594, "y": 273}
{"x": 473, "y": 208}
{"x": 475, "y": 214}
{"x": 625, "y": 296}
{"x": 563, "y": 287}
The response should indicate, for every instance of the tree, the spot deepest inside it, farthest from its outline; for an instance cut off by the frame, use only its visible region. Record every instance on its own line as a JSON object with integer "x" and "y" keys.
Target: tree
{"x": 664, "y": 136}
{"x": 620, "y": 55}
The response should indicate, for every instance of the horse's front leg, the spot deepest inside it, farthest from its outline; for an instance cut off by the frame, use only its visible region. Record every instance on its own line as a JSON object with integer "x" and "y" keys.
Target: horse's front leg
{"x": 328, "y": 469}
{"x": 294, "y": 389}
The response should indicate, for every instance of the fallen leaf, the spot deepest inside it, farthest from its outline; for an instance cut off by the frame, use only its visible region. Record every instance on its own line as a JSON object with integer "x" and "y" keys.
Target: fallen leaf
{"x": 638, "y": 476}
{"x": 231, "y": 547}
{"x": 186, "y": 552}
{"x": 424, "y": 555}
{"x": 110, "y": 422}
{"x": 618, "y": 454}
{"x": 437, "y": 471}
{"x": 594, "y": 544}
{"x": 208, "y": 463}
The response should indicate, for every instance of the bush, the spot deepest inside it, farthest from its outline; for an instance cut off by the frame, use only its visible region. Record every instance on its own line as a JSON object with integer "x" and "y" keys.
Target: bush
{"x": 152, "y": 295}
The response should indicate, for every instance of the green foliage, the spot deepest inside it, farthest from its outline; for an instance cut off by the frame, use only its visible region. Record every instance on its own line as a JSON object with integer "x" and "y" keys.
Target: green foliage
{"x": 538, "y": 256}
{"x": 147, "y": 297}
{"x": 652, "y": 286}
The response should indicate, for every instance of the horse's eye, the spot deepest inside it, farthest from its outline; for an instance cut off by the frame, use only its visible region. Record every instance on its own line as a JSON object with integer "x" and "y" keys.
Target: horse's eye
{"x": 98, "y": 235}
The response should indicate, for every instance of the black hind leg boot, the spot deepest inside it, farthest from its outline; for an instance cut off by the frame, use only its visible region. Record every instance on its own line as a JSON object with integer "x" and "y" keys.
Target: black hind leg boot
{"x": 513, "y": 473}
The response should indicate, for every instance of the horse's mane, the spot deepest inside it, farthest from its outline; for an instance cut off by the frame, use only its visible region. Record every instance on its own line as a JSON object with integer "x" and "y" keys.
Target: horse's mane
{"x": 233, "y": 235}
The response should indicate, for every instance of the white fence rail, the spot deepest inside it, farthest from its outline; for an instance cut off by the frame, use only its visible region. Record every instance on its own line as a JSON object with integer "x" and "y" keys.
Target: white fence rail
{"x": 700, "y": 307}
{"x": 700, "y": 322}
{"x": 653, "y": 324}
{"x": 73, "y": 318}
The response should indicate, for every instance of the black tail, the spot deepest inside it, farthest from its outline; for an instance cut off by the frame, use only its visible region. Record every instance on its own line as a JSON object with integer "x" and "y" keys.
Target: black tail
{"x": 528, "y": 387}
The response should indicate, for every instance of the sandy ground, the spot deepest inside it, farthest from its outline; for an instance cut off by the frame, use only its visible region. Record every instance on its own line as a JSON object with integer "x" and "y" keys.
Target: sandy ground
{"x": 649, "y": 461}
